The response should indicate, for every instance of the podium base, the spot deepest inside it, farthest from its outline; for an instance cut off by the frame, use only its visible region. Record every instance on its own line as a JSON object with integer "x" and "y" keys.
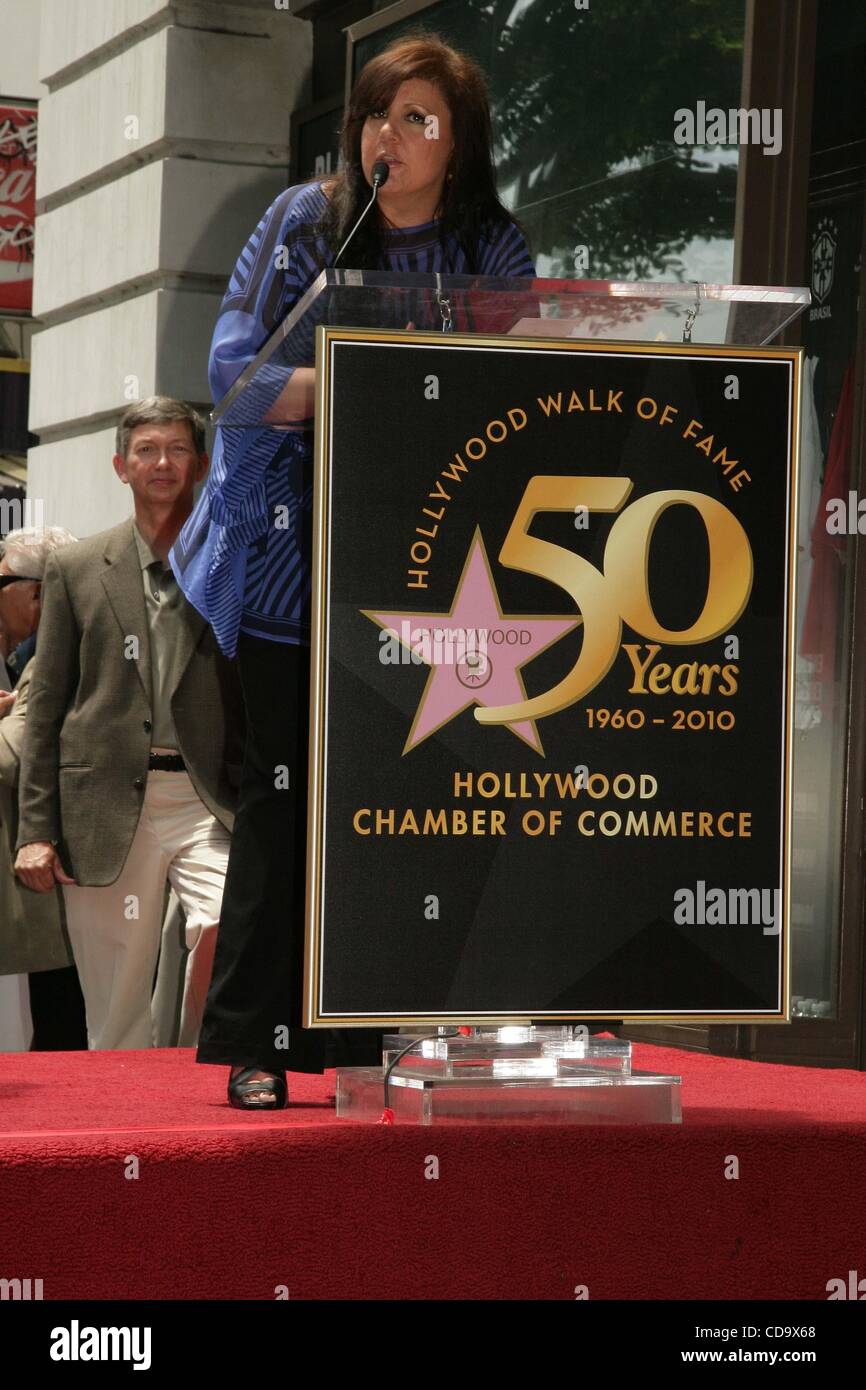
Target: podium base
{"x": 509, "y": 1076}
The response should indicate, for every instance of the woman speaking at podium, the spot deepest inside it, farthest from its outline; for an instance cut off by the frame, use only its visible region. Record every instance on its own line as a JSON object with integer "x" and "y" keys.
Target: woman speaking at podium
{"x": 419, "y": 113}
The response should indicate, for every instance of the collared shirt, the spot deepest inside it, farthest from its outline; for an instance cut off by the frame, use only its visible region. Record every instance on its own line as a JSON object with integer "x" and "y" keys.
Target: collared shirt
{"x": 162, "y": 605}
{"x": 243, "y": 559}
{"x": 19, "y": 658}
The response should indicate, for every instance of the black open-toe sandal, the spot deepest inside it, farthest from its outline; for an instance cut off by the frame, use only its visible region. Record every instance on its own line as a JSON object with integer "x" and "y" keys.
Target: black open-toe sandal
{"x": 241, "y": 1087}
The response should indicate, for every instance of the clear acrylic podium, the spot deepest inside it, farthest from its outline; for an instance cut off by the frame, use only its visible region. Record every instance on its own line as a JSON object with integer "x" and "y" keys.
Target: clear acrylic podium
{"x": 510, "y": 1074}
{"x": 608, "y": 310}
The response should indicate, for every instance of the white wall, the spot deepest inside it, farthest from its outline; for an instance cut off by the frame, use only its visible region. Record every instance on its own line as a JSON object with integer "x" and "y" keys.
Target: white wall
{"x": 19, "y": 48}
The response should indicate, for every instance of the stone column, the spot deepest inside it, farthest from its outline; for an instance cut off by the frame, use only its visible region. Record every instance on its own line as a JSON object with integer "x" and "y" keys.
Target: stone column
{"x": 163, "y": 138}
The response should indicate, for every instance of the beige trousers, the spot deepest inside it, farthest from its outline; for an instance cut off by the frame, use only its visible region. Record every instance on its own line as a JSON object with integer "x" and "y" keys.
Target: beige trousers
{"x": 115, "y": 931}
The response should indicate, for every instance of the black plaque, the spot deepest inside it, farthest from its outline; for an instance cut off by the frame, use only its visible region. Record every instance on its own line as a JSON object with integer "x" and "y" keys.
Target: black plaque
{"x": 604, "y": 531}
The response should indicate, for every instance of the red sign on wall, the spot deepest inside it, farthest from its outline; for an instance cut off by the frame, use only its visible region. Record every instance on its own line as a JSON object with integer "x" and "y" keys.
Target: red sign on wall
{"x": 17, "y": 204}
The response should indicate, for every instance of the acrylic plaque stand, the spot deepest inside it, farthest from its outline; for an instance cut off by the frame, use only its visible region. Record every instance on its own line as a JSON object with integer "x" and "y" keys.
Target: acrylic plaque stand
{"x": 510, "y": 1075}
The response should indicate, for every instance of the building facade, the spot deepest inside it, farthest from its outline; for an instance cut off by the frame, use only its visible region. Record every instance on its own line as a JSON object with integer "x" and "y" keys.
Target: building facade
{"x": 167, "y": 128}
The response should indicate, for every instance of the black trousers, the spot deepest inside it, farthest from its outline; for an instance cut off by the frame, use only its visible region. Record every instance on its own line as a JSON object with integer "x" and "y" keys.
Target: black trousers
{"x": 57, "y": 1010}
{"x": 257, "y": 983}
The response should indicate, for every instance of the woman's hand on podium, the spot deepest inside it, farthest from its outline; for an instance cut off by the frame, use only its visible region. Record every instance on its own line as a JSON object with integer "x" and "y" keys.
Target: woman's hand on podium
{"x": 297, "y": 400}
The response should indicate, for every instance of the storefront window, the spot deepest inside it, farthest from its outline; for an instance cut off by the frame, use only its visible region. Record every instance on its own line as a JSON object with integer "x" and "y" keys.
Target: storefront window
{"x": 834, "y": 248}
{"x": 584, "y": 112}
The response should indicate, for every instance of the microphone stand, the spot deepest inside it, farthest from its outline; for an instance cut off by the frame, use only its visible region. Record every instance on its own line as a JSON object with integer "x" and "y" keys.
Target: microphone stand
{"x": 380, "y": 176}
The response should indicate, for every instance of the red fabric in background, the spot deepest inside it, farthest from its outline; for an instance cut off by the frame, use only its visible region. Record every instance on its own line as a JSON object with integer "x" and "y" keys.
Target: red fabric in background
{"x": 231, "y": 1205}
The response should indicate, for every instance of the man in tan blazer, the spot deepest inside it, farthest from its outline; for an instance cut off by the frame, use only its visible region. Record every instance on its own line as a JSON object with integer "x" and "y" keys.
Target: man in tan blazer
{"x": 134, "y": 741}
{"x": 32, "y": 930}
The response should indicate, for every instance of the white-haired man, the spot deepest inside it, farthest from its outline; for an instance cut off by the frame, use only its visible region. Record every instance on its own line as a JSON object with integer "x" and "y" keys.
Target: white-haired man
{"x": 33, "y": 938}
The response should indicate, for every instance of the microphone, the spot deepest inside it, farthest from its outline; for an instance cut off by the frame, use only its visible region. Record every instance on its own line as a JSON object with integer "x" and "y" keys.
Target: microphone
{"x": 380, "y": 176}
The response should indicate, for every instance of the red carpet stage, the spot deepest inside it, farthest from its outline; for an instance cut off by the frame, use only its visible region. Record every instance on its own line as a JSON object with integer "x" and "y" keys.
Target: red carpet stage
{"x": 230, "y": 1205}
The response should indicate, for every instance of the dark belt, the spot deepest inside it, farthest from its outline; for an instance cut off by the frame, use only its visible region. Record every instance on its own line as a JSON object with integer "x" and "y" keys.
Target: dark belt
{"x": 166, "y": 762}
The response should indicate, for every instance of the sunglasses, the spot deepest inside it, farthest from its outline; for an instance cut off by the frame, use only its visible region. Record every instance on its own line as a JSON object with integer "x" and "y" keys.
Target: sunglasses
{"x": 17, "y": 579}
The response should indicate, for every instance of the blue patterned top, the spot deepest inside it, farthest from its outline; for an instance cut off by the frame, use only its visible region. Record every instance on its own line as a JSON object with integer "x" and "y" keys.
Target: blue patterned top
{"x": 243, "y": 558}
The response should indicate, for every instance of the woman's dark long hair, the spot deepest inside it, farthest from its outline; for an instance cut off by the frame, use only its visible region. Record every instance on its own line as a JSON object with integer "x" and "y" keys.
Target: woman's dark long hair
{"x": 469, "y": 203}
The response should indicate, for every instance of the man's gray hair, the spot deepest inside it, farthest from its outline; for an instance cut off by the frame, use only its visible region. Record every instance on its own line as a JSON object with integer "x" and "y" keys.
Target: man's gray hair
{"x": 26, "y": 550}
{"x": 158, "y": 410}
